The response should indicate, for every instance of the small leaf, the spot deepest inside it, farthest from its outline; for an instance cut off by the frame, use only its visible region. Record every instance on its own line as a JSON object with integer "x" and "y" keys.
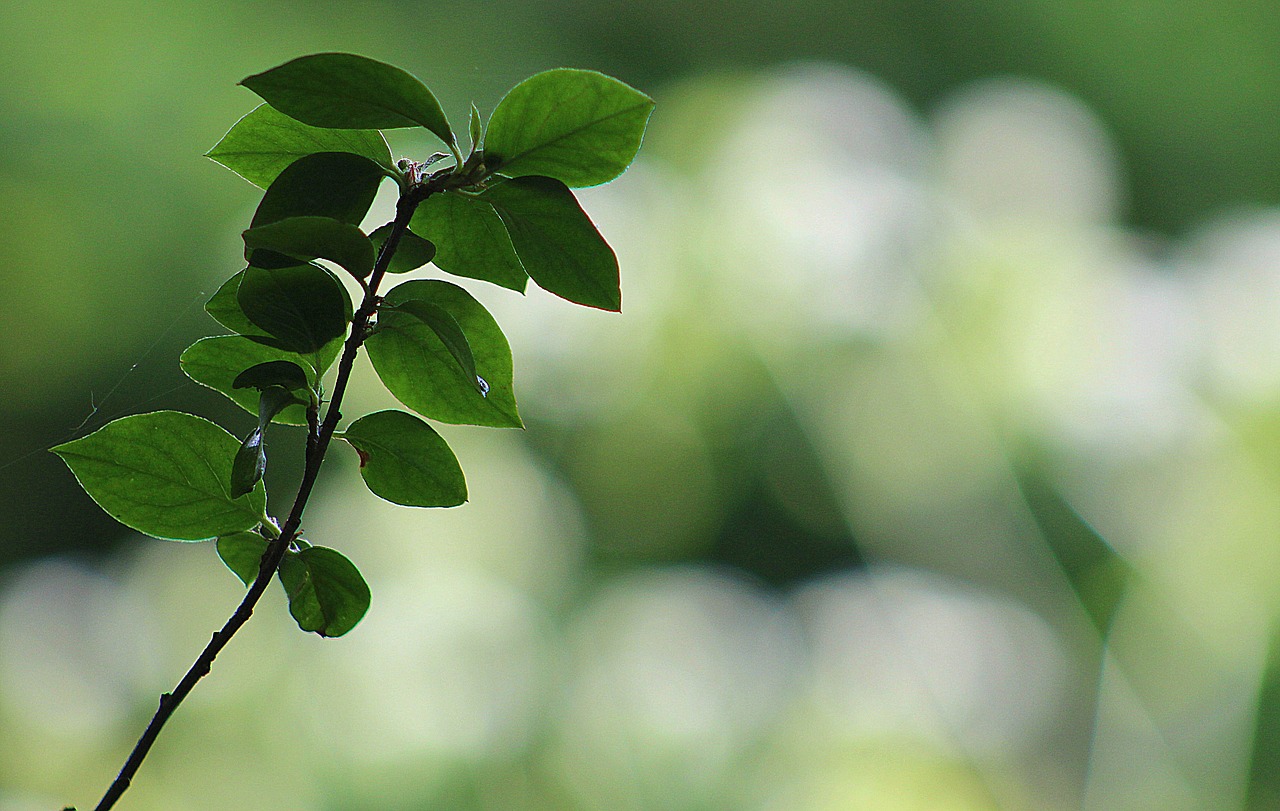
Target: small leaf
{"x": 264, "y": 142}
{"x": 249, "y": 465}
{"x": 412, "y": 253}
{"x": 242, "y": 553}
{"x": 346, "y": 91}
{"x": 302, "y": 306}
{"x": 165, "y": 474}
{"x": 476, "y": 128}
{"x": 420, "y": 371}
{"x": 283, "y": 373}
{"x": 327, "y": 595}
{"x": 578, "y": 126}
{"x": 225, "y": 308}
{"x": 218, "y": 363}
{"x": 404, "y": 461}
{"x": 450, "y": 334}
{"x": 339, "y": 185}
{"x": 470, "y": 239}
{"x": 309, "y": 238}
{"x": 557, "y": 243}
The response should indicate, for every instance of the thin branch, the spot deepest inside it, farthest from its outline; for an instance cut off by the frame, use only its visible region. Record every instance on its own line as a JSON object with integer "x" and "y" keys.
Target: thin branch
{"x": 317, "y": 445}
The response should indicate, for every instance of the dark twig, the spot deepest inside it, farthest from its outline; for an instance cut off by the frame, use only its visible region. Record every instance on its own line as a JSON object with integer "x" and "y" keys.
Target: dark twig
{"x": 317, "y": 445}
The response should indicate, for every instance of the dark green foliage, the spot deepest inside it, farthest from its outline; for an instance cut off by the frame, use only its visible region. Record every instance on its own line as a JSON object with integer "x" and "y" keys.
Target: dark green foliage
{"x": 417, "y": 367}
{"x": 345, "y": 91}
{"x": 403, "y": 460}
{"x": 556, "y": 242}
{"x": 501, "y": 216}
{"x": 309, "y": 238}
{"x": 327, "y": 595}
{"x": 470, "y": 239}
{"x": 413, "y": 253}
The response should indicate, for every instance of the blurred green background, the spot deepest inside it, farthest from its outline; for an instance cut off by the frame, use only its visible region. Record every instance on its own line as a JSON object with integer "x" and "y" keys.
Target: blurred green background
{"x": 934, "y": 462}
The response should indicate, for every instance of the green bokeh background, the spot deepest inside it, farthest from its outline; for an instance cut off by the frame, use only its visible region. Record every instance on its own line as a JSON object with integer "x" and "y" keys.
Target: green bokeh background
{"x": 932, "y": 463}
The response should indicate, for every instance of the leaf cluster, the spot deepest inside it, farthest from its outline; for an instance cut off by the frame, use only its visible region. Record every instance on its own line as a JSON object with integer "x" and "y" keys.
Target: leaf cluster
{"x": 501, "y": 212}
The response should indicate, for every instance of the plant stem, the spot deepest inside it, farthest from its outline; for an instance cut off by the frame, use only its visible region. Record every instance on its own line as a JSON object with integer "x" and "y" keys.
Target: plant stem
{"x": 317, "y": 445}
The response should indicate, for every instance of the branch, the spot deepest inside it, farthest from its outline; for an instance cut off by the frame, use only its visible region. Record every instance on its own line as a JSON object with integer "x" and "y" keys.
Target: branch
{"x": 317, "y": 445}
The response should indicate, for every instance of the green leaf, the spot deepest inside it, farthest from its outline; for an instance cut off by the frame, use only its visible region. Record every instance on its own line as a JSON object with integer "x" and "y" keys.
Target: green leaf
{"x": 251, "y": 460}
{"x": 309, "y": 238}
{"x": 450, "y": 334}
{"x": 302, "y": 306}
{"x": 557, "y": 243}
{"x": 283, "y": 373}
{"x": 412, "y": 253}
{"x": 346, "y": 91}
{"x": 420, "y": 371}
{"x": 404, "y": 461}
{"x": 250, "y": 464}
{"x": 470, "y": 239}
{"x": 578, "y": 126}
{"x": 242, "y": 553}
{"x": 476, "y": 127}
{"x": 165, "y": 474}
{"x": 327, "y": 184}
{"x": 264, "y": 142}
{"x": 225, "y": 308}
{"x": 218, "y": 362}
{"x": 327, "y": 595}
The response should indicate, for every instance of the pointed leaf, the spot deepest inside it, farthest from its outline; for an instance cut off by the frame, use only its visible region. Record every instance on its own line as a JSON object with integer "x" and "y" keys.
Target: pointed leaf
{"x": 327, "y": 184}
{"x": 302, "y": 306}
{"x": 309, "y": 238}
{"x": 470, "y": 239}
{"x": 264, "y": 142}
{"x": 476, "y": 129}
{"x": 283, "y": 373}
{"x": 218, "y": 362}
{"x": 578, "y": 126}
{"x": 404, "y": 461}
{"x": 327, "y": 595}
{"x": 557, "y": 243}
{"x": 165, "y": 474}
{"x": 249, "y": 465}
{"x": 419, "y": 370}
{"x": 450, "y": 334}
{"x": 346, "y": 91}
{"x": 242, "y": 553}
{"x": 412, "y": 253}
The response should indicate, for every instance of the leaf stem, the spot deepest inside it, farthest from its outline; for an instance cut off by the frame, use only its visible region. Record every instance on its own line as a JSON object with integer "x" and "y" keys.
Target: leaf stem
{"x": 317, "y": 444}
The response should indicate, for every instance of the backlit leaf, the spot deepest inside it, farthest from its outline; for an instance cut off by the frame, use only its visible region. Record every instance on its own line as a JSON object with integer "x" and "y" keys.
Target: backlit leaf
{"x": 470, "y": 239}
{"x": 218, "y": 362}
{"x": 420, "y": 371}
{"x": 165, "y": 474}
{"x": 242, "y": 553}
{"x": 578, "y": 126}
{"x": 557, "y": 243}
{"x": 264, "y": 142}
